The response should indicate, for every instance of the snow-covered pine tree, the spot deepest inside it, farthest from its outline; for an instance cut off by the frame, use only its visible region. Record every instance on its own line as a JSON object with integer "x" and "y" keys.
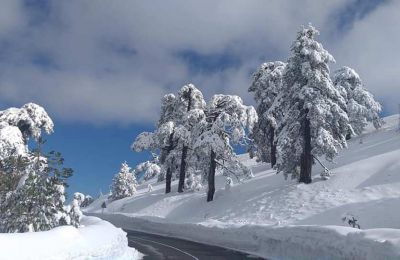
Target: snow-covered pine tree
{"x": 173, "y": 135}
{"x": 38, "y": 202}
{"x": 266, "y": 86}
{"x": 315, "y": 123}
{"x": 225, "y": 122}
{"x": 360, "y": 104}
{"x": 17, "y": 126}
{"x": 35, "y": 200}
{"x": 124, "y": 183}
{"x": 189, "y": 98}
{"x": 162, "y": 140}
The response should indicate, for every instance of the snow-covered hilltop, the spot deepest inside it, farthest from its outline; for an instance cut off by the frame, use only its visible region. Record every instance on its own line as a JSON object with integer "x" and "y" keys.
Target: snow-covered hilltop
{"x": 273, "y": 217}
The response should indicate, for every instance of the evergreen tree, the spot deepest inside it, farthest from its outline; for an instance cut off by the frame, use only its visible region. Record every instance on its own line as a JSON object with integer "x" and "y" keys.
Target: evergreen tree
{"x": 38, "y": 204}
{"x": 162, "y": 140}
{"x": 360, "y": 104}
{"x": 189, "y": 99}
{"x": 124, "y": 183}
{"x": 172, "y": 137}
{"x": 266, "y": 86}
{"x": 315, "y": 123}
{"x": 225, "y": 122}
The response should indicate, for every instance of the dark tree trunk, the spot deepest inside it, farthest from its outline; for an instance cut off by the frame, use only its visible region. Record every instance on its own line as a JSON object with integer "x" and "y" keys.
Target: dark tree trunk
{"x": 273, "y": 148}
{"x": 168, "y": 175}
{"x": 211, "y": 177}
{"x": 306, "y": 157}
{"x": 168, "y": 180}
{"x": 182, "y": 172}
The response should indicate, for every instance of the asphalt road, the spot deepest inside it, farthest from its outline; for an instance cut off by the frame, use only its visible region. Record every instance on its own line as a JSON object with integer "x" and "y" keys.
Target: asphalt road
{"x": 157, "y": 247}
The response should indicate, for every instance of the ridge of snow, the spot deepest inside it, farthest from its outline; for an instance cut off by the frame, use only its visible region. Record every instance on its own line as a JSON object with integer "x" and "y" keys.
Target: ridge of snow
{"x": 96, "y": 239}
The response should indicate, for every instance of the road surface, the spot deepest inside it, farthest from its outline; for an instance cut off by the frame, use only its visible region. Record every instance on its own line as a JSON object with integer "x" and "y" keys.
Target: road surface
{"x": 156, "y": 247}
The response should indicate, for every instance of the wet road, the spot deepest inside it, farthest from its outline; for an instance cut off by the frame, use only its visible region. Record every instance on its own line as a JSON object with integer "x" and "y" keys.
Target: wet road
{"x": 157, "y": 247}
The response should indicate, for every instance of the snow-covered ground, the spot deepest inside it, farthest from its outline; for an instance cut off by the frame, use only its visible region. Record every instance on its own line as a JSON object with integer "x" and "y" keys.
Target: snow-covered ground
{"x": 279, "y": 218}
{"x": 96, "y": 239}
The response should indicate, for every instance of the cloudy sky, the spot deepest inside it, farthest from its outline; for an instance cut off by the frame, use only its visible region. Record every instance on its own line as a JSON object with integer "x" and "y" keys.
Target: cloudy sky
{"x": 100, "y": 67}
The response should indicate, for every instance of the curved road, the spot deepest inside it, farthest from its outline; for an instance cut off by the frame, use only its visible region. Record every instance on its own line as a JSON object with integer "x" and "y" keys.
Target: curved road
{"x": 156, "y": 247}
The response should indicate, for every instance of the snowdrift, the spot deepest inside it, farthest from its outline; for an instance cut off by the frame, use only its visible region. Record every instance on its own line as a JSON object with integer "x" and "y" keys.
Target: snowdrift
{"x": 96, "y": 239}
{"x": 277, "y": 242}
{"x": 278, "y": 218}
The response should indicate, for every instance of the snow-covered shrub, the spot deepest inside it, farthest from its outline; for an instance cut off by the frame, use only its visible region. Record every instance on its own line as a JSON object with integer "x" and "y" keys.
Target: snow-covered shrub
{"x": 193, "y": 182}
{"x": 79, "y": 197}
{"x": 124, "y": 183}
{"x": 228, "y": 183}
{"x": 75, "y": 212}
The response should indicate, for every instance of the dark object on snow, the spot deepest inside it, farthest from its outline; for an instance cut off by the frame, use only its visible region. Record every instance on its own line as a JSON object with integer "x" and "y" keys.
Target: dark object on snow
{"x": 352, "y": 221}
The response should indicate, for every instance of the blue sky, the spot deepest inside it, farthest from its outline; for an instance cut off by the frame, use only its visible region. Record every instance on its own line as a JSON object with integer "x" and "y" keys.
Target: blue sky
{"x": 100, "y": 67}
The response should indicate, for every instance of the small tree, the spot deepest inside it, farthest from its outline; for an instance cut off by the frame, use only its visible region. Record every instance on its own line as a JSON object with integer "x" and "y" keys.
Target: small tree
{"x": 360, "y": 104}
{"x": 124, "y": 183}
{"x": 266, "y": 86}
{"x": 315, "y": 123}
{"x": 75, "y": 212}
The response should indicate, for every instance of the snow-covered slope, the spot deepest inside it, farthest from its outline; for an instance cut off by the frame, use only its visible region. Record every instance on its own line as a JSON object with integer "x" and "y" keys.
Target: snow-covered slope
{"x": 365, "y": 184}
{"x": 96, "y": 239}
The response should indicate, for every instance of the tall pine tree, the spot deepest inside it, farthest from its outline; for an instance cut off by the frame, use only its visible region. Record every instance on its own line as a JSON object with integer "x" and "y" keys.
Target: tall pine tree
{"x": 315, "y": 123}
{"x": 266, "y": 86}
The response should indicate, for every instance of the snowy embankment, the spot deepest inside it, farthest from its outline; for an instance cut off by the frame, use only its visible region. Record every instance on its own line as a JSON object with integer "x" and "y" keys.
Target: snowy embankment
{"x": 278, "y": 218}
{"x": 96, "y": 239}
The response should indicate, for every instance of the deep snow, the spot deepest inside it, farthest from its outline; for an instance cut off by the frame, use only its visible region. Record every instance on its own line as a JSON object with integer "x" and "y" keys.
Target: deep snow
{"x": 266, "y": 214}
{"x": 96, "y": 239}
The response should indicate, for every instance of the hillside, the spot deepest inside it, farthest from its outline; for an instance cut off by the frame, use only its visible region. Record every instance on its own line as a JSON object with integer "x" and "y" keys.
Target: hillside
{"x": 365, "y": 183}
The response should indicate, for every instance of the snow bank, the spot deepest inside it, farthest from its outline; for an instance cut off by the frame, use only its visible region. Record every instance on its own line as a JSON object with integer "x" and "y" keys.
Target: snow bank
{"x": 96, "y": 239}
{"x": 277, "y": 242}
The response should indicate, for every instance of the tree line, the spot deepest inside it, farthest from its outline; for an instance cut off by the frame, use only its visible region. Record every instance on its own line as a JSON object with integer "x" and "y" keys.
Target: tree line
{"x": 302, "y": 113}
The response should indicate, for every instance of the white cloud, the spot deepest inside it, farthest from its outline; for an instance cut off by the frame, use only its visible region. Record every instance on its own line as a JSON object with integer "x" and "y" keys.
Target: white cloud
{"x": 11, "y": 16}
{"x": 371, "y": 47}
{"x": 105, "y": 62}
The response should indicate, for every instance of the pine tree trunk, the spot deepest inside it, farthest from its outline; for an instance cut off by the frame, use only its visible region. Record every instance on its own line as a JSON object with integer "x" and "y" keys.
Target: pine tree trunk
{"x": 273, "y": 148}
{"x": 168, "y": 178}
{"x": 182, "y": 172}
{"x": 211, "y": 177}
{"x": 306, "y": 157}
